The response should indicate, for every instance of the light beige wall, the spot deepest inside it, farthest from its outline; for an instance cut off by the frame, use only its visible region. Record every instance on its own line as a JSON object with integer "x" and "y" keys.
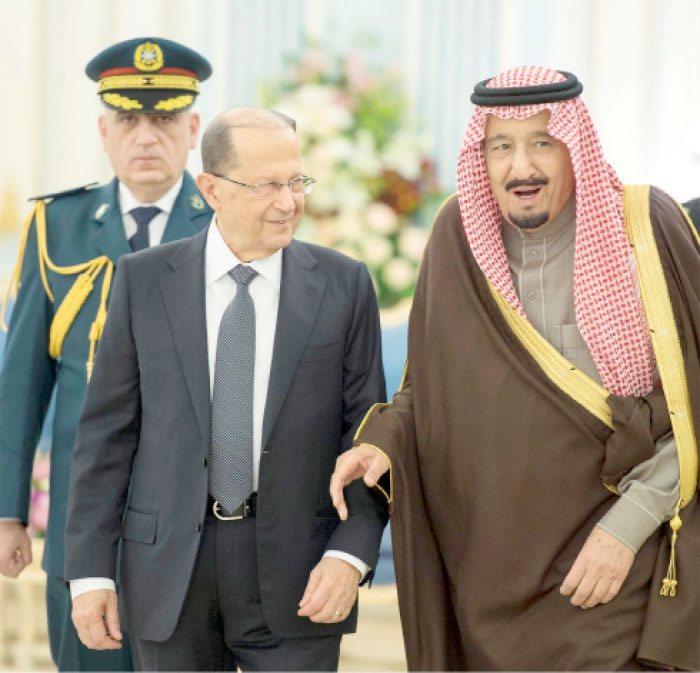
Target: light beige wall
{"x": 637, "y": 59}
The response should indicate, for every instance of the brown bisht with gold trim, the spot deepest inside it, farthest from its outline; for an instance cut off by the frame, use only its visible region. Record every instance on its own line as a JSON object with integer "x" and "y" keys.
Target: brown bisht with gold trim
{"x": 499, "y": 477}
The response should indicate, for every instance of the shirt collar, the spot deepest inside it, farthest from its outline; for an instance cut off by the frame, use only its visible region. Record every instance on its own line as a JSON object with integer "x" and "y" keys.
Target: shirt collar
{"x": 127, "y": 201}
{"x": 219, "y": 259}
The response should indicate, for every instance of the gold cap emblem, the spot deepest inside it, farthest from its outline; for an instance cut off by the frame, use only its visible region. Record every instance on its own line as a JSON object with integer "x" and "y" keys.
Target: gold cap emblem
{"x": 148, "y": 57}
{"x": 196, "y": 201}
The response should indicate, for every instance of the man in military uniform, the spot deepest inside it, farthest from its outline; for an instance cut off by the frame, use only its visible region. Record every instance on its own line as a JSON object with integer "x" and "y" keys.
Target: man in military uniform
{"x": 70, "y": 246}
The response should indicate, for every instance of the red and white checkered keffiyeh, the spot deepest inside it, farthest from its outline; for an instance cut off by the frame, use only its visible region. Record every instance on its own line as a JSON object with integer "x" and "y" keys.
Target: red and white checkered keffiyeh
{"x": 608, "y": 308}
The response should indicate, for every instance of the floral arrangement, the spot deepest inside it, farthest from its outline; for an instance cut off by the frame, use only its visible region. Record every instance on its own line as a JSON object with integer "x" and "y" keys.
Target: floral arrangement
{"x": 377, "y": 191}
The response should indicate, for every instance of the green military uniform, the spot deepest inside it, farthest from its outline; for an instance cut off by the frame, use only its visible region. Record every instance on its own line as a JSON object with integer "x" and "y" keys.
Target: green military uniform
{"x": 80, "y": 226}
{"x": 73, "y": 233}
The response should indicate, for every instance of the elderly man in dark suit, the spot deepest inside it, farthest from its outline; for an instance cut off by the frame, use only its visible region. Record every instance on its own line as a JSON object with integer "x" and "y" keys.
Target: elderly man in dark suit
{"x": 233, "y": 370}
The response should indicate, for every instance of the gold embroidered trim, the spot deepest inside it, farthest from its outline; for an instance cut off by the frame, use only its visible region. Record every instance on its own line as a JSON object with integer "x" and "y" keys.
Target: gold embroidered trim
{"x": 364, "y": 420}
{"x": 148, "y": 82}
{"x": 174, "y": 103}
{"x": 390, "y": 496}
{"x": 403, "y": 376}
{"x": 669, "y": 356}
{"x": 613, "y": 489}
{"x": 563, "y": 373}
{"x": 121, "y": 101}
{"x": 664, "y": 335}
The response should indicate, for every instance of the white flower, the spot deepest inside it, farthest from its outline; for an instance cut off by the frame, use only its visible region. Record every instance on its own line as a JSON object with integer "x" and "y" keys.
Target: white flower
{"x": 348, "y": 225}
{"x": 381, "y": 218}
{"x": 318, "y": 110}
{"x": 338, "y": 192}
{"x": 323, "y": 157}
{"x": 403, "y": 154}
{"x": 375, "y": 250}
{"x": 398, "y": 274}
{"x": 364, "y": 158}
{"x": 412, "y": 242}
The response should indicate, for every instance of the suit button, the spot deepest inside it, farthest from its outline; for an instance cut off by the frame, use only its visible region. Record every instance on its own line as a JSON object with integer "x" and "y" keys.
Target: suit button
{"x": 205, "y": 462}
{"x": 198, "y": 526}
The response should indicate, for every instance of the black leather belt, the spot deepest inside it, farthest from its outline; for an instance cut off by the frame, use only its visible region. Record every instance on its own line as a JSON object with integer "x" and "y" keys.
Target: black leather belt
{"x": 244, "y": 510}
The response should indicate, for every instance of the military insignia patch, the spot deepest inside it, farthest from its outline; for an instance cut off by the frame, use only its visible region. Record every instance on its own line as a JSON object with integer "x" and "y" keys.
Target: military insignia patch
{"x": 148, "y": 57}
{"x": 101, "y": 211}
{"x": 196, "y": 202}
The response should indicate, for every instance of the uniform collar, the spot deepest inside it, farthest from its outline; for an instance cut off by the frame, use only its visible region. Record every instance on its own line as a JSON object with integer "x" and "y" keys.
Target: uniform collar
{"x": 127, "y": 201}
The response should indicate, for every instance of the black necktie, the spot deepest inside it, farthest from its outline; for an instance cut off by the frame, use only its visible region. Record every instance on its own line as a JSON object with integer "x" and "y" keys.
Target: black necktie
{"x": 142, "y": 216}
{"x": 231, "y": 455}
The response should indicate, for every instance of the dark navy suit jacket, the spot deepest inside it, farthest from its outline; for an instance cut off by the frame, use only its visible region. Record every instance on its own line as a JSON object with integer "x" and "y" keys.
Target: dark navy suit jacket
{"x": 145, "y": 429}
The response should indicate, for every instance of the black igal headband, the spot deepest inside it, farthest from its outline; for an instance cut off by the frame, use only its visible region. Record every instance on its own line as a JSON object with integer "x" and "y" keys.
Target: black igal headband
{"x": 526, "y": 95}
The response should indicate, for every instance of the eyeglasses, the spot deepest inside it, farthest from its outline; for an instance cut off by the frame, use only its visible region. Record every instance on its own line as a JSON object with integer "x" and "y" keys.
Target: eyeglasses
{"x": 301, "y": 185}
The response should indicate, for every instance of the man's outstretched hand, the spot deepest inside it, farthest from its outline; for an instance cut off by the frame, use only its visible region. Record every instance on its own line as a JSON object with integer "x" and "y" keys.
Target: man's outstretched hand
{"x": 363, "y": 461}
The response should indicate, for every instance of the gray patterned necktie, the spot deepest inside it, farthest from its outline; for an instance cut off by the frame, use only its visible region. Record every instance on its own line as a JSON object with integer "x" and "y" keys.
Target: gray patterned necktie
{"x": 231, "y": 453}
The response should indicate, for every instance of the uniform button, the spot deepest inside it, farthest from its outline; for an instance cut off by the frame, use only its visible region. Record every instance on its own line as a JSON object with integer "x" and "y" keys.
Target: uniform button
{"x": 531, "y": 295}
{"x": 197, "y": 526}
{"x": 534, "y": 253}
{"x": 205, "y": 462}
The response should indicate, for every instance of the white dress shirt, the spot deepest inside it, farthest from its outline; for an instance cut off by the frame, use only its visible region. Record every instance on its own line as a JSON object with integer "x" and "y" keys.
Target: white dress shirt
{"x": 156, "y": 227}
{"x": 219, "y": 291}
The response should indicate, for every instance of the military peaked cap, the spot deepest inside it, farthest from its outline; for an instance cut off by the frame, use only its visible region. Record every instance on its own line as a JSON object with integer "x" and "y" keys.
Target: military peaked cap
{"x": 148, "y": 74}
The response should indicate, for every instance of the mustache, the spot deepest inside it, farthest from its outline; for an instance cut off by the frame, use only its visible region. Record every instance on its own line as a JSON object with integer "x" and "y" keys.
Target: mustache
{"x": 530, "y": 182}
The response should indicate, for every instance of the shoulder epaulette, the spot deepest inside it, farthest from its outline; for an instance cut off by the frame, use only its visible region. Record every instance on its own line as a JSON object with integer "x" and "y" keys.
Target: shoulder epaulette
{"x": 67, "y": 192}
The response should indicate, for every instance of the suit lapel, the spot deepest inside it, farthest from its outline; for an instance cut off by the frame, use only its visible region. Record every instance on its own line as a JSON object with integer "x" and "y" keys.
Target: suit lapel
{"x": 301, "y": 291}
{"x": 108, "y": 235}
{"x": 189, "y": 207}
{"x": 184, "y": 296}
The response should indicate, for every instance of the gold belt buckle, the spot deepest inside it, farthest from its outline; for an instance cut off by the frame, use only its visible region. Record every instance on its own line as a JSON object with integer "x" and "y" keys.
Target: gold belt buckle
{"x": 218, "y": 512}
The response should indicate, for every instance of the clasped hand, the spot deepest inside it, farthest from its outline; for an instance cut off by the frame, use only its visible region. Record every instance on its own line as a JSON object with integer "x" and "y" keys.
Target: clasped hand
{"x": 362, "y": 461}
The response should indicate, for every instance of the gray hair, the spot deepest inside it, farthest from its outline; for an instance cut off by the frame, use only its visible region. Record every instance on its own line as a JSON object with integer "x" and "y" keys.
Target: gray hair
{"x": 218, "y": 150}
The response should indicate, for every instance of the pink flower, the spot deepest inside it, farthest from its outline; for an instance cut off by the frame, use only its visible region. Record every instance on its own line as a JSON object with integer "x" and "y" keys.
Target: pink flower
{"x": 39, "y": 511}
{"x": 39, "y": 498}
{"x": 42, "y": 467}
{"x": 357, "y": 75}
